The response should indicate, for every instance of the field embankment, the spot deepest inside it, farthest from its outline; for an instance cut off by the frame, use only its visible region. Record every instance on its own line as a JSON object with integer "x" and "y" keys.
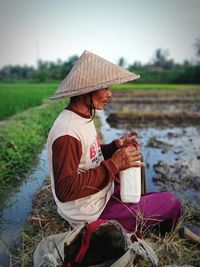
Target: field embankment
{"x": 23, "y": 134}
{"x": 157, "y": 86}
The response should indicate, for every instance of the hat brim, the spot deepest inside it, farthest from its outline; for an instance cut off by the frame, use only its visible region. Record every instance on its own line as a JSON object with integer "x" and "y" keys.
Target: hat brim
{"x": 89, "y": 89}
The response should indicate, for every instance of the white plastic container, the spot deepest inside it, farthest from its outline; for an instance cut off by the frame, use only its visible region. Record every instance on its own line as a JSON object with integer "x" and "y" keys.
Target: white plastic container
{"x": 130, "y": 185}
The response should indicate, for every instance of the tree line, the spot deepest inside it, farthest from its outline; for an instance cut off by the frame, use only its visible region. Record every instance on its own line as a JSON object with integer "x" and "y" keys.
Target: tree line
{"x": 161, "y": 69}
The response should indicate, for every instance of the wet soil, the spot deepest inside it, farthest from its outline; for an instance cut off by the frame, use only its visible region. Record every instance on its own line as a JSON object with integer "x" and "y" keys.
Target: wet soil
{"x": 169, "y": 126}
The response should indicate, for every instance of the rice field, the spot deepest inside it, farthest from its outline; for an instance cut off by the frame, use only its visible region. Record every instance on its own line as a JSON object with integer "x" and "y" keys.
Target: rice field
{"x": 15, "y": 98}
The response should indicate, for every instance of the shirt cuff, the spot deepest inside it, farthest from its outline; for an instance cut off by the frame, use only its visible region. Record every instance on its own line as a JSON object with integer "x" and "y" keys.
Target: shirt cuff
{"x": 111, "y": 168}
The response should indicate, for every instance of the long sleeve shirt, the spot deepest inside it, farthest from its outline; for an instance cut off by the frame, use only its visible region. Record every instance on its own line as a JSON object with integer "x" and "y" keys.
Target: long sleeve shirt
{"x": 71, "y": 184}
{"x": 81, "y": 178}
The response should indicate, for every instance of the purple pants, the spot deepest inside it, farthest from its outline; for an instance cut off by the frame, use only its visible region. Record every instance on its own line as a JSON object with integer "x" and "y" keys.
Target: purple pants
{"x": 158, "y": 208}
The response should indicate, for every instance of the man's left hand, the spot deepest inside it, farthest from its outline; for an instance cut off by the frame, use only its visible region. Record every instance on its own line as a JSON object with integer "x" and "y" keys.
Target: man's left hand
{"x": 128, "y": 140}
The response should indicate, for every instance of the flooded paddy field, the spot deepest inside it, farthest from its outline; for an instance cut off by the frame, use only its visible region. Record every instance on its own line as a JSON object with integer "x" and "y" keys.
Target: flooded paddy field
{"x": 168, "y": 123}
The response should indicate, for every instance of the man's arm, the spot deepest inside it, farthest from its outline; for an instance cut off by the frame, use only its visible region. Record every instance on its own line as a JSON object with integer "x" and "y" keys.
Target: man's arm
{"x": 71, "y": 185}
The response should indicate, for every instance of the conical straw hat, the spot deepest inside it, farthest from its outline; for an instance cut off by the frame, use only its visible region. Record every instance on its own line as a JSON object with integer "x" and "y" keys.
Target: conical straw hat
{"x": 91, "y": 73}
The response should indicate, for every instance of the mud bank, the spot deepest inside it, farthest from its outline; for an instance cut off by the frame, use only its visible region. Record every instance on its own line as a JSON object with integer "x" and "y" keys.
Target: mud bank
{"x": 166, "y": 108}
{"x": 155, "y": 119}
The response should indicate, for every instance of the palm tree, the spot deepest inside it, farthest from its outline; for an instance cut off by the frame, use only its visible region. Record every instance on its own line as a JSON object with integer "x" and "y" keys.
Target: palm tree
{"x": 197, "y": 46}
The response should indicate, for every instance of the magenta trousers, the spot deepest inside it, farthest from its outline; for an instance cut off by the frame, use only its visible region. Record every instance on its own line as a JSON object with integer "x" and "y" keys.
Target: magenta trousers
{"x": 158, "y": 209}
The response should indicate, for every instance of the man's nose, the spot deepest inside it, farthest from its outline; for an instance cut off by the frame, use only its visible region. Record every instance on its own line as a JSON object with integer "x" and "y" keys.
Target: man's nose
{"x": 109, "y": 92}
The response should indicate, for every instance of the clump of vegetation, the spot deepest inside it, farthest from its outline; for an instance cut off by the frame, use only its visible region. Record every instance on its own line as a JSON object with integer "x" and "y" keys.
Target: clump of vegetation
{"x": 21, "y": 139}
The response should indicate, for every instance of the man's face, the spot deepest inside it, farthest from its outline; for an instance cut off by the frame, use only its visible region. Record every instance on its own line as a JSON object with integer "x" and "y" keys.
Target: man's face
{"x": 101, "y": 98}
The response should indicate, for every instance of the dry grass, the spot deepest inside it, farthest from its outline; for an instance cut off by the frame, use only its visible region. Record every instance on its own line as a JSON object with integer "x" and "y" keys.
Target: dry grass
{"x": 44, "y": 221}
{"x": 171, "y": 249}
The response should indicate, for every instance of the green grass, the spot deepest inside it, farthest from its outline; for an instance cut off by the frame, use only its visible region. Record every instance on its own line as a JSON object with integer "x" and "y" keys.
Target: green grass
{"x": 21, "y": 139}
{"x": 29, "y": 115}
{"x": 155, "y": 86}
{"x": 16, "y": 97}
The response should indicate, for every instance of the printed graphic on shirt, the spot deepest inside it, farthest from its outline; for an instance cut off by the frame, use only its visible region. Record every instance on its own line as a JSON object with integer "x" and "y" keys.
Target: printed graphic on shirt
{"x": 95, "y": 151}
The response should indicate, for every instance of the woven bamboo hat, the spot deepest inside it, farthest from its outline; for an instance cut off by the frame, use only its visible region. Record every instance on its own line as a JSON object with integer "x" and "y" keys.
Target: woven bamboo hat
{"x": 91, "y": 73}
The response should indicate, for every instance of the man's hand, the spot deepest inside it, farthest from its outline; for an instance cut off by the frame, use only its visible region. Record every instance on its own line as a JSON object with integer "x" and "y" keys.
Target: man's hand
{"x": 127, "y": 157}
{"x": 128, "y": 140}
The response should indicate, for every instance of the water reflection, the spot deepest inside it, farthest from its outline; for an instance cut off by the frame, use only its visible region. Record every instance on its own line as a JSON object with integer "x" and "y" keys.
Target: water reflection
{"x": 18, "y": 206}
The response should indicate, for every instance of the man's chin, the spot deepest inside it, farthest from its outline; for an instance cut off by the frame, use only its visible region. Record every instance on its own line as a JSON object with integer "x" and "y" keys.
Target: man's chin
{"x": 101, "y": 107}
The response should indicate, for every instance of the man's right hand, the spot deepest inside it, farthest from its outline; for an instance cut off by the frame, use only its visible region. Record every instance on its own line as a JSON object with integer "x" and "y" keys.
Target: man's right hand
{"x": 127, "y": 157}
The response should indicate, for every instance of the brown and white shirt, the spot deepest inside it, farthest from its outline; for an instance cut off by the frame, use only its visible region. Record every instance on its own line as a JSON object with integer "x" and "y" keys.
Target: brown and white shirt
{"x": 82, "y": 171}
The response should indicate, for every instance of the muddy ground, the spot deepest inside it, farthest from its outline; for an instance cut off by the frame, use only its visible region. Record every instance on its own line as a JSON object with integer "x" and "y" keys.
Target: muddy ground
{"x": 168, "y": 122}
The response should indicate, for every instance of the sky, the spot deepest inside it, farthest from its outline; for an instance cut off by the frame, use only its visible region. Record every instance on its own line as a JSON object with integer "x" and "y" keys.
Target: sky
{"x": 132, "y": 29}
